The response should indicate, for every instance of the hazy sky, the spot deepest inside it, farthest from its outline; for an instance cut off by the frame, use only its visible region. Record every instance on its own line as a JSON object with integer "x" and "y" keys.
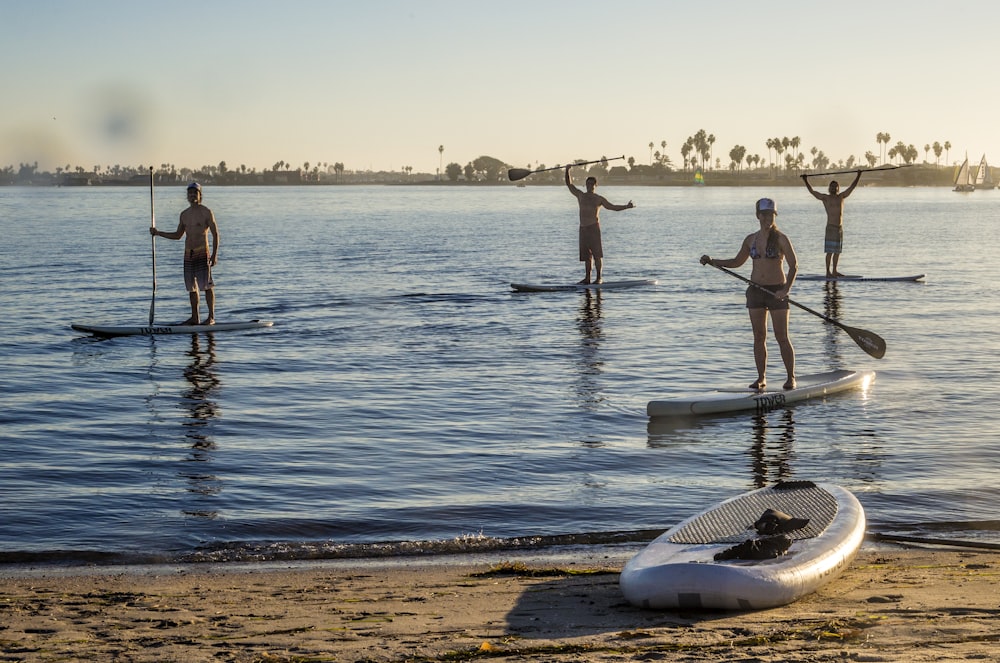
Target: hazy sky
{"x": 381, "y": 84}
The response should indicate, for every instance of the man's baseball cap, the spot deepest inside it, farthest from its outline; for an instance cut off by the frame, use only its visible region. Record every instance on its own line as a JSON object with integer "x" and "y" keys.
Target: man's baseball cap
{"x": 765, "y": 204}
{"x": 194, "y": 185}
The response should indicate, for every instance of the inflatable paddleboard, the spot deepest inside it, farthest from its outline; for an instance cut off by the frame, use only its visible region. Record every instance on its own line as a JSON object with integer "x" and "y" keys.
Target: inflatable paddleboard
{"x": 761, "y": 549}
{"x": 607, "y": 285}
{"x": 857, "y": 277}
{"x": 150, "y": 330}
{"x": 736, "y": 400}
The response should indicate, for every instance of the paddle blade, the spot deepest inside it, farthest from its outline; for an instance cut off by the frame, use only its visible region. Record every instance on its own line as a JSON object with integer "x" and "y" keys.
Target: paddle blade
{"x": 515, "y": 174}
{"x": 152, "y": 309}
{"x": 868, "y": 341}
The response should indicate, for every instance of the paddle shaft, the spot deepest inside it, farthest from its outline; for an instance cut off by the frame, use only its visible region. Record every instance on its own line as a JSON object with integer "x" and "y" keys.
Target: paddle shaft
{"x": 866, "y": 340}
{"x": 152, "y": 239}
{"x": 856, "y": 170}
{"x": 985, "y": 545}
{"x": 515, "y": 174}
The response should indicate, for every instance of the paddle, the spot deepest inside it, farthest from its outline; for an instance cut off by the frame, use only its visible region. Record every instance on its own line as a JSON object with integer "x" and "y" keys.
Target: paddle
{"x": 516, "y": 174}
{"x": 152, "y": 239}
{"x": 871, "y": 343}
{"x": 856, "y": 170}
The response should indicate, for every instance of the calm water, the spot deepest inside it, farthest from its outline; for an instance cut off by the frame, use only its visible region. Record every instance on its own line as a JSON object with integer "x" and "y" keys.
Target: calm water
{"x": 406, "y": 400}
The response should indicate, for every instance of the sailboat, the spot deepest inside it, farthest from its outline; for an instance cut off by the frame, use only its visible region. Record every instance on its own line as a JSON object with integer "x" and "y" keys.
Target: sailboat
{"x": 984, "y": 178}
{"x": 963, "y": 180}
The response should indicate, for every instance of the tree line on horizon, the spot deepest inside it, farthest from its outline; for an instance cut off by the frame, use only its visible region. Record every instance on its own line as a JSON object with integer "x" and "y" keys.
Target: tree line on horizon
{"x": 697, "y": 153}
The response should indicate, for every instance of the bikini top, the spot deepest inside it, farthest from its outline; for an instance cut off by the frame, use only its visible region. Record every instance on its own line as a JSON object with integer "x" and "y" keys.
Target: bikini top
{"x": 771, "y": 252}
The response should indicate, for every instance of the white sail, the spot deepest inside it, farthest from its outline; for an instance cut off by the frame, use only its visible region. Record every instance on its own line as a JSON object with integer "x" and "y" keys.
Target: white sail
{"x": 984, "y": 178}
{"x": 963, "y": 181}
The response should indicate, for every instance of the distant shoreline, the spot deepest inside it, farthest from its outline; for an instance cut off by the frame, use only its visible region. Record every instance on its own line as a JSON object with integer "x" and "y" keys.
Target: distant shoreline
{"x": 910, "y": 176}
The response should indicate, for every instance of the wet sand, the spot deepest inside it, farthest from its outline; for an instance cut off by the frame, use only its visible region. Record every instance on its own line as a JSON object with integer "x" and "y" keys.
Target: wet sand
{"x": 892, "y": 604}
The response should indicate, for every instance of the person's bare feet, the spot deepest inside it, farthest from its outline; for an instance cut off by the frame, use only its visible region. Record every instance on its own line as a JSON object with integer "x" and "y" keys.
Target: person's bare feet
{"x": 759, "y": 385}
{"x": 208, "y": 321}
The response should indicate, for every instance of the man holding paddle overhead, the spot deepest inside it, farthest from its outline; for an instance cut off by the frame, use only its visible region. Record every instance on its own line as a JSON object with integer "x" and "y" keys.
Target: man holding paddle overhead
{"x": 591, "y": 249}
{"x": 834, "y": 204}
{"x": 195, "y": 224}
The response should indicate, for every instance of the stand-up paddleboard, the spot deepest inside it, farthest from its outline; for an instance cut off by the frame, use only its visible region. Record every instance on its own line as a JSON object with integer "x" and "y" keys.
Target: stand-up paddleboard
{"x": 150, "y": 330}
{"x": 607, "y": 285}
{"x": 858, "y": 277}
{"x": 736, "y": 400}
{"x": 761, "y": 549}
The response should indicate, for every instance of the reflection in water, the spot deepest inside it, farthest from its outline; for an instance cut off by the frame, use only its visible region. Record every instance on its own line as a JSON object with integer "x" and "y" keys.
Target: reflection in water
{"x": 771, "y": 462}
{"x": 202, "y": 410}
{"x": 831, "y": 307}
{"x": 591, "y": 333}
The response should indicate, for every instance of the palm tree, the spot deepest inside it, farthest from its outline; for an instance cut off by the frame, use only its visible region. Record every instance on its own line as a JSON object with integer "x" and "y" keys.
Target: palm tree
{"x": 885, "y": 138}
{"x": 947, "y": 149}
{"x": 440, "y": 160}
{"x": 927, "y": 149}
{"x": 736, "y": 156}
{"x": 650, "y": 153}
{"x": 779, "y": 147}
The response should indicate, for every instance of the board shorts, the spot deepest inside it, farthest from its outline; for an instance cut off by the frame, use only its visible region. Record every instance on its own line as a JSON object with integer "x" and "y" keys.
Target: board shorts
{"x": 834, "y": 239}
{"x": 590, "y": 242}
{"x": 197, "y": 272}
{"x": 757, "y": 298}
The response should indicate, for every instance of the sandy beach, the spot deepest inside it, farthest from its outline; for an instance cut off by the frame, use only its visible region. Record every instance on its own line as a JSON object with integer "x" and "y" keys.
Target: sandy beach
{"x": 892, "y": 604}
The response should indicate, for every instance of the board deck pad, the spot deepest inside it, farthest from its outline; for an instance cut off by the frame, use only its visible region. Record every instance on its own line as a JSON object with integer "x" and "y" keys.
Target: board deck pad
{"x": 571, "y": 287}
{"x": 729, "y": 522}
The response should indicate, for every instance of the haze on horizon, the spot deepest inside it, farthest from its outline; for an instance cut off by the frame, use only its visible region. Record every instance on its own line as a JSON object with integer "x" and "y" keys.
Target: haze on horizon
{"x": 381, "y": 85}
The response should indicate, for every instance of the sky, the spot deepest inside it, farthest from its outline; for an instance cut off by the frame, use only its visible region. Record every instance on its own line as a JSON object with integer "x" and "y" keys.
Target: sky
{"x": 382, "y": 84}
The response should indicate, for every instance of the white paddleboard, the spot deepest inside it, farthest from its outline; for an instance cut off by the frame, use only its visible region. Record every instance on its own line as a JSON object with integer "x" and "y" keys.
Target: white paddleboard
{"x": 679, "y": 568}
{"x": 856, "y": 277}
{"x": 150, "y": 330}
{"x": 736, "y": 400}
{"x": 607, "y": 285}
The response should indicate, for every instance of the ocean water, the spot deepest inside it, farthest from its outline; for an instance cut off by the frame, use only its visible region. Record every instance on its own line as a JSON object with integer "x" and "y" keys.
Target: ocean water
{"x": 406, "y": 401}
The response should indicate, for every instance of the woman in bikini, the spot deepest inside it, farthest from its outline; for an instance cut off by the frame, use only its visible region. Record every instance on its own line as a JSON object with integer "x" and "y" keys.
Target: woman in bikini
{"x": 767, "y": 248}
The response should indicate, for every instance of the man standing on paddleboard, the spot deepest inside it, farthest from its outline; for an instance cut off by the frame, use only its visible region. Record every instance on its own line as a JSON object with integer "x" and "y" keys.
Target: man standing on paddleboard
{"x": 195, "y": 224}
{"x": 591, "y": 249}
{"x": 834, "y": 204}
{"x": 769, "y": 291}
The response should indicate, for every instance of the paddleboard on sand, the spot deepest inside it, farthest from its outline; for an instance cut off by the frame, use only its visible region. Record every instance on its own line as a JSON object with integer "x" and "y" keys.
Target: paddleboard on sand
{"x": 761, "y": 549}
{"x": 736, "y": 400}
{"x": 151, "y": 330}
{"x": 857, "y": 277}
{"x": 607, "y": 285}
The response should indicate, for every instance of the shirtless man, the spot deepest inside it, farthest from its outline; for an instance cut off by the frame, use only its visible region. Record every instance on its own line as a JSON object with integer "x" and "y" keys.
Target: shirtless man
{"x": 195, "y": 224}
{"x": 834, "y": 204}
{"x": 591, "y": 249}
